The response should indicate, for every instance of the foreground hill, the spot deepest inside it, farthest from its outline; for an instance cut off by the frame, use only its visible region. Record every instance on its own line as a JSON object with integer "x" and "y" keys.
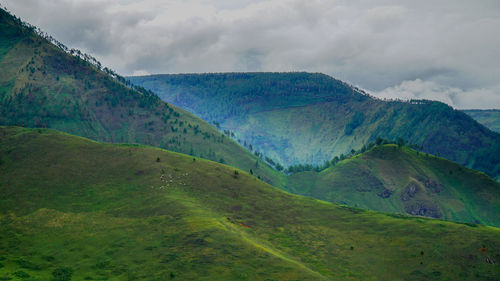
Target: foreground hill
{"x": 396, "y": 179}
{"x": 489, "y": 118}
{"x": 309, "y": 118}
{"x": 41, "y": 85}
{"x": 71, "y": 207}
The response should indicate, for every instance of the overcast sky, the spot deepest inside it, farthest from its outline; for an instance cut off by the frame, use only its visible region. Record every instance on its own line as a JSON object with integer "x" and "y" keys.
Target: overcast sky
{"x": 443, "y": 50}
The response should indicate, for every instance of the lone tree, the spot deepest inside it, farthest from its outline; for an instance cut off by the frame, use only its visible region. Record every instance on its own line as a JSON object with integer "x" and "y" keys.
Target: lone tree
{"x": 400, "y": 142}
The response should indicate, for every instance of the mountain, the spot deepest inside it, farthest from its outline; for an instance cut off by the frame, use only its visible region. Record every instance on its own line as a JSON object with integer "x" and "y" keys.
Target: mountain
{"x": 397, "y": 179}
{"x": 299, "y": 118}
{"x": 489, "y": 118}
{"x": 72, "y": 208}
{"x": 43, "y": 84}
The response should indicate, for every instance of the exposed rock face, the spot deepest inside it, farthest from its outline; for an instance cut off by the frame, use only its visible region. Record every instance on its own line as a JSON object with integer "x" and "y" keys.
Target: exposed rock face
{"x": 409, "y": 192}
{"x": 386, "y": 193}
{"x": 432, "y": 185}
{"x": 424, "y": 209}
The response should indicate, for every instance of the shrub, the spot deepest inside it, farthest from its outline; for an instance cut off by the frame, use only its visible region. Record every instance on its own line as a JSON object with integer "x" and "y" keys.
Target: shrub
{"x": 27, "y": 264}
{"x": 62, "y": 274}
{"x": 21, "y": 274}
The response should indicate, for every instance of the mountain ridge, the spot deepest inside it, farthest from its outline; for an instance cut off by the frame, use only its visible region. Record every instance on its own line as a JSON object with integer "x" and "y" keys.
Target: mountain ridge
{"x": 488, "y": 117}
{"x": 43, "y": 85}
{"x": 337, "y": 119}
{"x": 392, "y": 178}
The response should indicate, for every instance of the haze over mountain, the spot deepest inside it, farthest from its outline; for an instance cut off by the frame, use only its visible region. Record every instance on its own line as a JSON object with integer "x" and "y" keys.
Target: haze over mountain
{"x": 132, "y": 217}
{"x": 489, "y": 118}
{"x": 310, "y": 118}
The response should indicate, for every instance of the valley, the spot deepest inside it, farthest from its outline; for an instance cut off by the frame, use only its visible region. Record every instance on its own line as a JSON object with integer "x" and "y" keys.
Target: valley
{"x": 308, "y": 118}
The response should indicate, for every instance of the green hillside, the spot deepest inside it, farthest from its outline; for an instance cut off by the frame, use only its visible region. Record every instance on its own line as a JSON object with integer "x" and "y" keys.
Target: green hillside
{"x": 489, "y": 118}
{"x": 300, "y": 118}
{"x": 396, "y": 179}
{"x": 41, "y": 85}
{"x": 75, "y": 209}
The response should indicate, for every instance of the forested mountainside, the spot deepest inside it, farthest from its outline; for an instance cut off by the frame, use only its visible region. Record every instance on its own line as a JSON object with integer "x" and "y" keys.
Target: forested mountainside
{"x": 44, "y": 85}
{"x": 310, "y": 117}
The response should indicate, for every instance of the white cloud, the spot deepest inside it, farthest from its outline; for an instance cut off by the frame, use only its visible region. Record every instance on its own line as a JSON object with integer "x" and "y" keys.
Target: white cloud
{"x": 375, "y": 44}
{"x": 457, "y": 98}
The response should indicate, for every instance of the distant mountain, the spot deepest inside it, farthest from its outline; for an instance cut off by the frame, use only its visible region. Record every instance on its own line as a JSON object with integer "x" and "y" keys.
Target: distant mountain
{"x": 489, "y": 118}
{"x": 44, "y": 85}
{"x": 75, "y": 209}
{"x": 310, "y": 118}
{"x": 396, "y": 179}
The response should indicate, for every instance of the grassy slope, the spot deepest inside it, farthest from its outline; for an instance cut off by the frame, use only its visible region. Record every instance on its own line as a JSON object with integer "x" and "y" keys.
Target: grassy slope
{"x": 42, "y": 86}
{"x": 113, "y": 212}
{"x": 309, "y": 118}
{"x": 489, "y": 118}
{"x": 380, "y": 178}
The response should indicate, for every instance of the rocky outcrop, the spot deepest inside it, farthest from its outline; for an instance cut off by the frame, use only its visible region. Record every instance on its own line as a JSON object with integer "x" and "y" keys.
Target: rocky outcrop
{"x": 424, "y": 209}
{"x": 409, "y": 192}
{"x": 432, "y": 185}
{"x": 385, "y": 193}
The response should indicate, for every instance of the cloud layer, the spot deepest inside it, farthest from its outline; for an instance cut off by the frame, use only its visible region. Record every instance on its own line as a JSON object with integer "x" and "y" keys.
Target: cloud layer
{"x": 456, "y": 97}
{"x": 445, "y": 50}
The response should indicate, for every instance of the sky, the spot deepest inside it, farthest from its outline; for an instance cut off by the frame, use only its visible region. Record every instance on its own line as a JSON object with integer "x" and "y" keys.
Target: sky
{"x": 441, "y": 50}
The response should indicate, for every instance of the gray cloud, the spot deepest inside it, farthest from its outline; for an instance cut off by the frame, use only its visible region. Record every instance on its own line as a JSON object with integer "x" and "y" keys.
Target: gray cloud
{"x": 386, "y": 47}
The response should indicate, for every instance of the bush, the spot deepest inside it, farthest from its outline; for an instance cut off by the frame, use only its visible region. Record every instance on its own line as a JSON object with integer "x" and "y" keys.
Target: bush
{"x": 27, "y": 264}
{"x": 21, "y": 274}
{"x": 62, "y": 274}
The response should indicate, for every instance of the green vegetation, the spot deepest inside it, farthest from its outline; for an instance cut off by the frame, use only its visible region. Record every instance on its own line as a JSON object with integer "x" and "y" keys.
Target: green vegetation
{"x": 298, "y": 118}
{"x": 43, "y": 84}
{"x": 489, "y": 118}
{"x": 398, "y": 179}
{"x": 318, "y": 168}
{"x": 75, "y": 209}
